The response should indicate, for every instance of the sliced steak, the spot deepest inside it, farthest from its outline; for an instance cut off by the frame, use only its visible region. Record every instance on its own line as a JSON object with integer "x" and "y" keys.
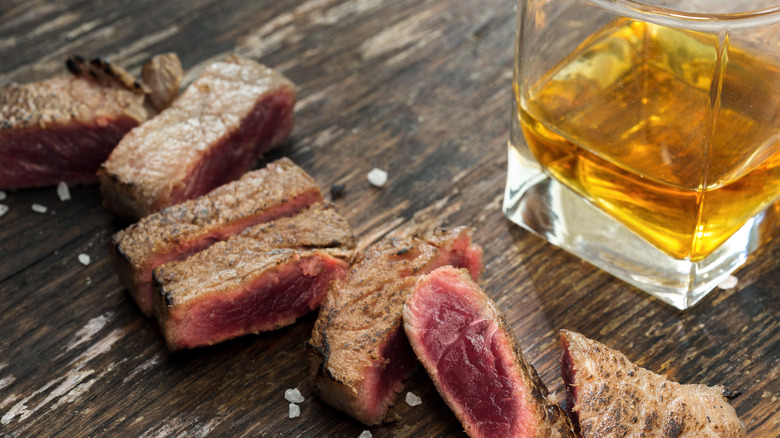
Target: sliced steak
{"x": 278, "y": 190}
{"x": 237, "y": 287}
{"x": 211, "y": 134}
{"x": 62, "y": 129}
{"x": 608, "y": 396}
{"x": 475, "y": 360}
{"x": 358, "y": 353}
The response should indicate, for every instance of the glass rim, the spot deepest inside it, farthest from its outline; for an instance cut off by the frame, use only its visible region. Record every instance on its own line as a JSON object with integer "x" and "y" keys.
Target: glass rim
{"x": 669, "y": 16}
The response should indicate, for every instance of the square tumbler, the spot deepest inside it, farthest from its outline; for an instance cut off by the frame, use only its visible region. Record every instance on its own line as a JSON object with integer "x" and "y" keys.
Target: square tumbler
{"x": 645, "y": 136}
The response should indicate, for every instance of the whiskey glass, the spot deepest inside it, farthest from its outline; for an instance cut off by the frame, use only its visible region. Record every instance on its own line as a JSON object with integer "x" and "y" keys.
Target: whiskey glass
{"x": 645, "y": 136}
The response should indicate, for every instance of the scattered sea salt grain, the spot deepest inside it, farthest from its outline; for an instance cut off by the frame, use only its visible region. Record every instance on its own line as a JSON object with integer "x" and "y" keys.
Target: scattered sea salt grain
{"x": 294, "y": 411}
{"x": 84, "y": 259}
{"x": 63, "y": 192}
{"x": 293, "y": 395}
{"x": 365, "y": 434}
{"x": 412, "y": 400}
{"x": 728, "y": 282}
{"x": 3, "y": 209}
{"x": 38, "y": 208}
{"x": 377, "y": 177}
{"x": 2, "y": 195}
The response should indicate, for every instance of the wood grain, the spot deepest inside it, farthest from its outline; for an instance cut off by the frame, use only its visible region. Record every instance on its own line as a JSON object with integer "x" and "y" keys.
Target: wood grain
{"x": 419, "y": 88}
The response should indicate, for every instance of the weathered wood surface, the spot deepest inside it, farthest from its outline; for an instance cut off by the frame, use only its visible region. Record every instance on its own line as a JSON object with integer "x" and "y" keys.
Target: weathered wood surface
{"x": 419, "y": 88}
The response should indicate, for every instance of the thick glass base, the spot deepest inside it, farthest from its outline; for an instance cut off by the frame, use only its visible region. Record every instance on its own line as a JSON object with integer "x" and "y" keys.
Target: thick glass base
{"x": 547, "y": 208}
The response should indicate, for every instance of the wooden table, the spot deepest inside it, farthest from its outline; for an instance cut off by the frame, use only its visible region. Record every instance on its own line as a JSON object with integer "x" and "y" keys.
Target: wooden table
{"x": 420, "y": 88}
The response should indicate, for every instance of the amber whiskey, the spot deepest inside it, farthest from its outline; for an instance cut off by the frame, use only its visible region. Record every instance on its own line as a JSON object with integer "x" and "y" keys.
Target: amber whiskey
{"x": 674, "y": 133}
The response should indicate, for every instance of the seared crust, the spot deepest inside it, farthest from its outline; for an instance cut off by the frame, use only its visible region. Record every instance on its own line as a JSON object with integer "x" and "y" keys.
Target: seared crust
{"x": 280, "y": 189}
{"x": 64, "y": 100}
{"x": 609, "y": 396}
{"x": 539, "y": 416}
{"x": 213, "y": 132}
{"x": 363, "y": 311}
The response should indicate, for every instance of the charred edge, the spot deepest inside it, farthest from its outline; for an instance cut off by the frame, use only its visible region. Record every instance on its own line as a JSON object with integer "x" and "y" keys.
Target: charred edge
{"x": 117, "y": 246}
{"x": 168, "y": 297}
{"x": 403, "y": 251}
{"x": 73, "y": 66}
{"x": 673, "y": 428}
{"x": 324, "y": 350}
{"x": 137, "y": 85}
{"x": 731, "y": 395}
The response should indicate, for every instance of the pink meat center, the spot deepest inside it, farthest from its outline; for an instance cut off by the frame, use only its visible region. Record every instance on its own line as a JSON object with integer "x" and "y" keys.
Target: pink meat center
{"x": 72, "y": 153}
{"x": 569, "y": 376}
{"x": 398, "y": 362}
{"x": 473, "y": 365}
{"x": 273, "y": 300}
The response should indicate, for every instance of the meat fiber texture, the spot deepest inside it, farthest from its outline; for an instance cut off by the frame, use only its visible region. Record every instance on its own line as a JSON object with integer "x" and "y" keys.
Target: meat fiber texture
{"x": 262, "y": 279}
{"x": 278, "y": 190}
{"x": 62, "y": 129}
{"x": 358, "y": 353}
{"x": 475, "y": 360}
{"x": 608, "y": 396}
{"x": 211, "y": 134}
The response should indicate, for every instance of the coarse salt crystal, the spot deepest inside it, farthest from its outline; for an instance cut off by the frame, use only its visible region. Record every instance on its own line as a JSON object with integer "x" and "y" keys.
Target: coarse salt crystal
{"x": 2, "y": 195}
{"x": 63, "y": 192}
{"x": 294, "y": 411}
{"x": 412, "y": 400}
{"x": 293, "y": 395}
{"x": 377, "y": 177}
{"x": 38, "y": 208}
{"x": 728, "y": 282}
{"x": 3, "y": 209}
{"x": 365, "y": 434}
{"x": 84, "y": 259}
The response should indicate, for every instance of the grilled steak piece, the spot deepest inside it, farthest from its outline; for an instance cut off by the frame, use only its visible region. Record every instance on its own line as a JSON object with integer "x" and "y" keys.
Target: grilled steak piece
{"x": 358, "y": 353}
{"x": 278, "y": 190}
{"x": 475, "y": 360}
{"x": 236, "y": 287}
{"x": 211, "y": 134}
{"x": 62, "y": 128}
{"x": 608, "y": 396}
{"x": 163, "y": 75}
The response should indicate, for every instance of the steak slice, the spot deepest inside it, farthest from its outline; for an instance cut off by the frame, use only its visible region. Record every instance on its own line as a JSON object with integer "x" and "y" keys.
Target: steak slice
{"x": 193, "y": 291}
{"x": 358, "y": 353}
{"x": 475, "y": 360}
{"x": 235, "y": 288}
{"x": 608, "y": 396}
{"x": 211, "y": 134}
{"x": 162, "y": 75}
{"x": 280, "y": 189}
{"x": 62, "y": 129}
